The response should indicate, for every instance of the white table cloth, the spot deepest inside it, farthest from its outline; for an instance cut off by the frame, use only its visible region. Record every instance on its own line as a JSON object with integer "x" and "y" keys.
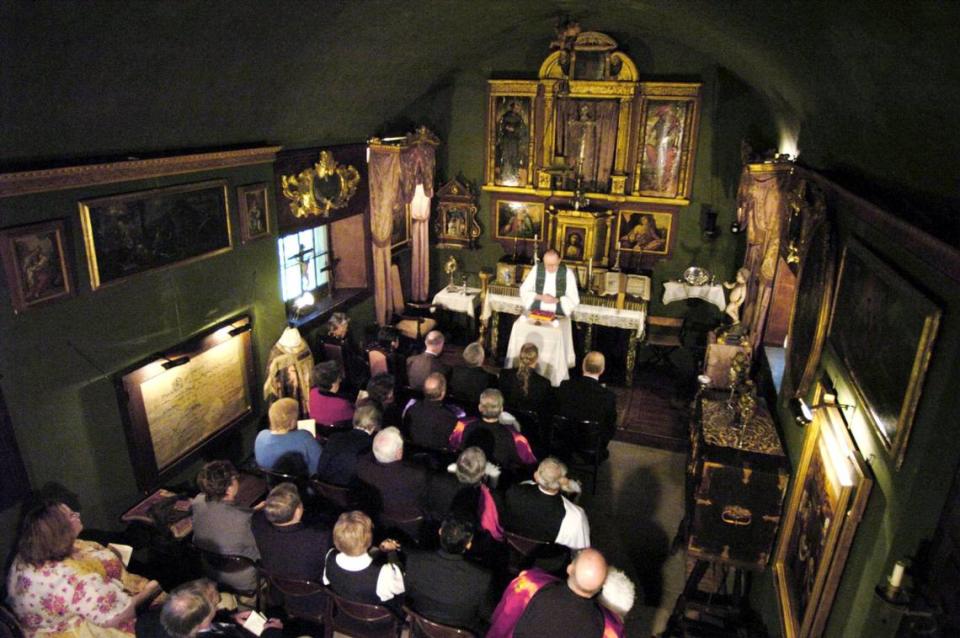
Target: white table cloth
{"x": 457, "y": 301}
{"x": 598, "y": 315}
{"x": 555, "y": 343}
{"x": 677, "y": 291}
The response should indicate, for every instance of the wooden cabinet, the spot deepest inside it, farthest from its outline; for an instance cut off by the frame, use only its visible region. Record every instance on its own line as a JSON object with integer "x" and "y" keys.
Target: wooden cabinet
{"x": 736, "y": 483}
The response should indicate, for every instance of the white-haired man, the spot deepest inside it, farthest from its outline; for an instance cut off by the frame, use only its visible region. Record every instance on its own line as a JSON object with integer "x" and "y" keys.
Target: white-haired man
{"x": 421, "y": 366}
{"x": 395, "y": 488}
{"x": 538, "y": 509}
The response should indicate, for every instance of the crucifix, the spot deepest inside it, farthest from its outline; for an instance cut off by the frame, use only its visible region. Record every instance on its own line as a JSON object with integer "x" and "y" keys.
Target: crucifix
{"x": 303, "y": 258}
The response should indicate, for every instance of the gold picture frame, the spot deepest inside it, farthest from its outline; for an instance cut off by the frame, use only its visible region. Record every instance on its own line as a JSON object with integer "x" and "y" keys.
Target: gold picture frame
{"x": 875, "y": 304}
{"x": 646, "y": 231}
{"x": 511, "y": 133}
{"x": 829, "y": 493}
{"x": 35, "y": 264}
{"x": 255, "y": 213}
{"x": 518, "y": 220}
{"x": 126, "y": 235}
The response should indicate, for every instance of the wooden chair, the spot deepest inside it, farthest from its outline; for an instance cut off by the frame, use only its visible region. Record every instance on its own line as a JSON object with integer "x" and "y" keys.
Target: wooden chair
{"x": 360, "y": 620}
{"x": 578, "y": 442}
{"x": 230, "y": 563}
{"x": 378, "y": 362}
{"x": 294, "y": 588}
{"x": 9, "y": 625}
{"x": 664, "y": 335}
{"x": 338, "y": 495}
{"x": 523, "y": 551}
{"x": 422, "y": 627}
{"x": 410, "y": 319}
{"x": 333, "y": 352}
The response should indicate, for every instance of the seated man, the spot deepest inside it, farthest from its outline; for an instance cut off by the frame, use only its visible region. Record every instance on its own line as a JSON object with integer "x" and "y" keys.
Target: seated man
{"x": 352, "y": 572}
{"x": 445, "y": 587}
{"x": 502, "y": 444}
{"x": 536, "y": 509}
{"x": 421, "y": 366}
{"x": 585, "y": 398}
{"x": 288, "y": 546}
{"x": 221, "y": 526}
{"x": 396, "y": 487}
{"x": 338, "y": 463}
{"x": 279, "y": 447}
{"x": 380, "y": 388}
{"x": 469, "y": 380}
{"x": 430, "y": 421}
{"x": 537, "y": 604}
{"x": 326, "y": 406}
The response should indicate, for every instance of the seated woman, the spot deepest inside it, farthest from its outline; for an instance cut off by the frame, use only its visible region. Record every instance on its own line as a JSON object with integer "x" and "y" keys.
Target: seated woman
{"x": 326, "y": 406}
{"x": 60, "y": 585}
{"x": 523, "y": 388}
{"x": 355, "y": 572}
{"x": 274, "y": 449}
{"x": 356, "y": 372}
{"x": 221, "y": 526}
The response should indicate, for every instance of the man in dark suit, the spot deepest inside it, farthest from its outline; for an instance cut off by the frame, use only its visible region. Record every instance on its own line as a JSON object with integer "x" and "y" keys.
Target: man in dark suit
{"x": 421, "y": 366}
{"x": 289, "y": 546}
{"x": 395, "y": 489}
{"x": 430, "y": 421}
{"x": 585, "y": 398}
{"x": 338, "y": 462}
{"x": 469, "y": 380}
{"x": 445, "y": 587}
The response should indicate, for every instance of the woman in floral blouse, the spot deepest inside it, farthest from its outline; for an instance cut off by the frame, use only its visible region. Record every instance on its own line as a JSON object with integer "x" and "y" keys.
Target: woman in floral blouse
{"x": 62, "y": 587}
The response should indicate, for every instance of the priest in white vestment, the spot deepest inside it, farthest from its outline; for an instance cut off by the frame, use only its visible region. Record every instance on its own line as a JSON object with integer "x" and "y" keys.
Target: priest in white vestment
{"x": 549, "y": 287}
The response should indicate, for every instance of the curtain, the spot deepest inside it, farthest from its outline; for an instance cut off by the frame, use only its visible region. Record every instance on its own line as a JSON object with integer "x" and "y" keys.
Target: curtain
{"x": 761, "y": 207}
{"x": 384, "y": 168}
{"x": 417, "y": 167}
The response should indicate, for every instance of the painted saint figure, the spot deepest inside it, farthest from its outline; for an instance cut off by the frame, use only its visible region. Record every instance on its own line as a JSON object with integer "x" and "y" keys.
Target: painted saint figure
{"x": 512, "y": 140}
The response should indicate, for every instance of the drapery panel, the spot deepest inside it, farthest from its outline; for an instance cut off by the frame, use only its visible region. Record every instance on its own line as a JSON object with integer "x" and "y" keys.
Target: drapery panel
{"x": 417, "y": 167}
{"x": 384, "y": 168}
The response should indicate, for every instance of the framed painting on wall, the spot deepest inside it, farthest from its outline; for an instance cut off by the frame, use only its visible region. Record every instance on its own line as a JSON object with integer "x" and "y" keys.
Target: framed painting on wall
{"x": 668, "y": 129}
{"x": 35, "y": 264}
{"x": 874, "y": 304}
{"x": 400, "y": 228}
{"x": 510, "y": 133}
{"x": 518, "y": 220}
{"x": 649, "y": 232}
{"x": 829, "y": 493}
{"x": 255, "y": 212}
{"x": 129, "y": 234}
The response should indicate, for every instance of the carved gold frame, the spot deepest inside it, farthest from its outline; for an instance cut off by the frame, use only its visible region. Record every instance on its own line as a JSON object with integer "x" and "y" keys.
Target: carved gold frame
{"x": 305, "y": 198}
{"x": 827, "y": 439}
{"x": 497, "y": 89}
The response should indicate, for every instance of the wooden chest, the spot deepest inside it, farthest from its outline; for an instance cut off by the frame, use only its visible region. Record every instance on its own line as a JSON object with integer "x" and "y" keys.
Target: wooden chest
{"x": 736, "y": 485}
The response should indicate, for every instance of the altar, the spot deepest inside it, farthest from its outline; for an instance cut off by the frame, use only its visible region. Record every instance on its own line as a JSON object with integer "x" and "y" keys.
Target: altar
{"x": 593, "y": 310}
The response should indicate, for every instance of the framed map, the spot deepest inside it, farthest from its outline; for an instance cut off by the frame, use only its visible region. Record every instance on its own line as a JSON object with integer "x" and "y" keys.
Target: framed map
{"x": 180, "y": 402}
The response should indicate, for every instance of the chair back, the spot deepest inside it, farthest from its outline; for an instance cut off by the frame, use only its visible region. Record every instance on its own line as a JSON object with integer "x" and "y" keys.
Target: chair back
{"x": 333, "y": 352}
{"x": 523, "y": 551}
{"x": 664, "y": 331}
{"x": 378, "y": 362}
{"x": 338, "y": 495}
{"x": 396, "y": 289}
{"x": 9, "y": 625}
{"x": 361, "y": 620}
{"x": 228, "y": 564}
{"x": 579, "y": 443}
{"x": 421, "y": 627}
{"x": 304, "y": 590}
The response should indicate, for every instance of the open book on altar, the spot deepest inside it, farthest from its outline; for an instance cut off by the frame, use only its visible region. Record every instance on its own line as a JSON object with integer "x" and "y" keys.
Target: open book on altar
{"x": 613, "y": 283}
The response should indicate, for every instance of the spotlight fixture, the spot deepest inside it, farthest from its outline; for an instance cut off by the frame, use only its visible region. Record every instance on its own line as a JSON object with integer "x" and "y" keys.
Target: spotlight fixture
{"x": 239, "y": 330}
{"x": 802, "y": 415}
{"x": 175, "y": 363}
{"x": 735, "y": 227}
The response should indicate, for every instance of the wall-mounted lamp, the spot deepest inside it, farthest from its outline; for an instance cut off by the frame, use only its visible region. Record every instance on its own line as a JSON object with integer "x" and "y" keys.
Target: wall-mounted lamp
{"x": 175, "y": 363}
{"x": 239, "y": 330}
{"x": 802, "y": 414}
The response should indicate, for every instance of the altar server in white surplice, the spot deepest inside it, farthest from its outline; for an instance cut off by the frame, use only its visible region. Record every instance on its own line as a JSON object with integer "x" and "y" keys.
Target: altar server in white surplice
{"x": 550, "y": 286}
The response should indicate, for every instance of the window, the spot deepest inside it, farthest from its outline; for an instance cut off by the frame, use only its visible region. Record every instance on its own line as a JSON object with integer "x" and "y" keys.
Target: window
{"x": 304, "y": 259}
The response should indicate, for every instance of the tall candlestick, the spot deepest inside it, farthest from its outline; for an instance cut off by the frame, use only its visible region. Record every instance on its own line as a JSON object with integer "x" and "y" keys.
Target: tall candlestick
{"x": 589, "y": 273}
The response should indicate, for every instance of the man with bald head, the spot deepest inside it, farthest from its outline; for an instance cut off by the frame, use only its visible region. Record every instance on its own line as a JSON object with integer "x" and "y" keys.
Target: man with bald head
{"x": 537, "y": 604}
{"x": 585, "y": 398}
{"x": 550, "y": 286}
{"x": 421, "y": 366}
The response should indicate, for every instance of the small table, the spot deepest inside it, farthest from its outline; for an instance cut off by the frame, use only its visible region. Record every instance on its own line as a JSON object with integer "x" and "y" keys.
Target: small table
{"x": 677, "y": 291}
{"x": 457, "y": 301}
{"x": 555, "y": 343}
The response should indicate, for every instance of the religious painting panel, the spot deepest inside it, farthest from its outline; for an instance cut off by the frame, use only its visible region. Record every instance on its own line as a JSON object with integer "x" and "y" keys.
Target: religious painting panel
{"x": 176, "y": 404}
{"x": 129, "y": 234}
{"x": 255, "y": 212}
{"x": 667, "y": 141}
{"x": 35, "y": 264}
{"x": 400, "y": 231}
{"x": 456, "y": 222}
{"x": 874, "y": 304}
{"x": 829, "y": 493}
{"x": 645, "y": 231}
{"x": 518, "y": 220}
{"x": 510, "y": 133}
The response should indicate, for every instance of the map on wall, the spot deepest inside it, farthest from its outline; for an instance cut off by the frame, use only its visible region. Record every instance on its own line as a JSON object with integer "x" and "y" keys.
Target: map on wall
{"x": 185, "y": 405}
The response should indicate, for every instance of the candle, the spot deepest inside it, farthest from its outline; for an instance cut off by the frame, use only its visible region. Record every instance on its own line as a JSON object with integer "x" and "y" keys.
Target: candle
{"x": 896, "y": 578}
{"x": 589, "y": 271}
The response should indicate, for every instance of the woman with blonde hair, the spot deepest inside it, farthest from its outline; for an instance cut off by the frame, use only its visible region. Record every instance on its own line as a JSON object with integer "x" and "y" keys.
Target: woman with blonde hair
{"x": 63, "y": 586}
{"x": 523, "y": 387}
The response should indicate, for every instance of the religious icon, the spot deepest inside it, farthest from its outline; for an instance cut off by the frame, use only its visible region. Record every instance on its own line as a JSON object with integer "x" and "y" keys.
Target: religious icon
{"x": 519, "y": 220}
{"x": 573, "y": 245}
{"x": 644, "y": 232}
{"x": 511, "y": 165}
{"x": 254, "y": 214}
{"x": 663, "y": 140}
{"x": 35, "y": 264}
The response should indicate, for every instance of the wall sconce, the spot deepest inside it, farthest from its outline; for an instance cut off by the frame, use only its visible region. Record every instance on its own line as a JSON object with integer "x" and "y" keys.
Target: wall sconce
{"x": 169, "y": 364}
{"x": 802, "y": 414}
{"x": 708, "y": 223}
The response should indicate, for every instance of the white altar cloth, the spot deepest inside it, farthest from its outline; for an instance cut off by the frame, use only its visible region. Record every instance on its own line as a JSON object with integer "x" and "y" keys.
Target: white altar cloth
{"x": 555, "y": 343}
